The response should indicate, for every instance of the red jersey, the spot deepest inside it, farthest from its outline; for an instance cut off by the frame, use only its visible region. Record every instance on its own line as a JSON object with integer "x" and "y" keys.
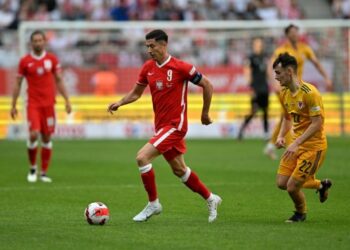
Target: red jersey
{"x": 39, "y": 72}
{"x": 168, "y": 85}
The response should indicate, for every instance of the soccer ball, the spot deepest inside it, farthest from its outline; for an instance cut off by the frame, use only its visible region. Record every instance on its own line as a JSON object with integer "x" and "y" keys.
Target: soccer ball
{"x": 97, "y": 213}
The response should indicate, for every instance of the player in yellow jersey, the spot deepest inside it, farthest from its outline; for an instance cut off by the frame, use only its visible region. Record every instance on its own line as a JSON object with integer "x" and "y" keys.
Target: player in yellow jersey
{"x": 304, "y": 114}
{"x": 300, "y": 51}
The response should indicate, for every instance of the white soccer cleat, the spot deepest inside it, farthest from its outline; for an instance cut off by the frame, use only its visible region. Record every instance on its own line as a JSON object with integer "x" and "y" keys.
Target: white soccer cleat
{"x": 45, "y": 178}
{"x": 32, "y": 176}
{"x": 213, "y": 202}
{"x": 153, "y": 208}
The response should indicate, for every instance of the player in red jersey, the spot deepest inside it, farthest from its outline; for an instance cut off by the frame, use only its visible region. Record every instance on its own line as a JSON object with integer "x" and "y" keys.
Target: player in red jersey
{"x": 42, "y": 72}
{"x": 167, "y": 78}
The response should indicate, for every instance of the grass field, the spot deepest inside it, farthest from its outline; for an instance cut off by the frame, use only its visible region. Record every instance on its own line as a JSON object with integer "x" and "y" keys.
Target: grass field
{"x": 50, "y": 216}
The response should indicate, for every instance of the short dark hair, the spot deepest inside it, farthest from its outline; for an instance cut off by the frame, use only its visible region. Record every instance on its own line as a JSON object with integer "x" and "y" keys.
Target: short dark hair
{"x": 289, "y": 27}
{"x": 286, "y": 60}
{"x": 158, "y": 35}
{"x": 37, "y": 32}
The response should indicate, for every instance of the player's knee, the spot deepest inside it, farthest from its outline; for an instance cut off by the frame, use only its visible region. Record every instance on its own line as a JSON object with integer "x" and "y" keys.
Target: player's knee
{"x": 33, "y": 136}
{"x": 179, "y": 172}
{"x": 291, "y": 188}
{"x": 142, "y": 159}
{"x": 281, "y": 184}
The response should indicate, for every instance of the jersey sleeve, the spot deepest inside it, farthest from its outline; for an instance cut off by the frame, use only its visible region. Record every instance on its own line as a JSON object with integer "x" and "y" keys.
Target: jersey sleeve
{"x": 314, "y": 103}
{"x": 190, "y": 72}
{"x": 56, "y": 65}
{"x": 309, "y": 53}
{"x": 142, "y": 79}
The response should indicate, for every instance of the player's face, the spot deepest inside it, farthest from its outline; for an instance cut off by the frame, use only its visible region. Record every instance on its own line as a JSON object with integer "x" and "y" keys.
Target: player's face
{"x": 38, "y": 43}
{"x": 283, "y": 75}
{"x": 293, "y": 35}
{"x": 258, "y": 46}
{"x": 156, "y": 49}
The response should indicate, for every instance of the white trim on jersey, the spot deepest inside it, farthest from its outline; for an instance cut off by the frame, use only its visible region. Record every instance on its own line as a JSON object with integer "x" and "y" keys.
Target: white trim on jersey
{"x": 183, "y": 104}
{"x": 38, "y": 57}
{"x": 165, "y": 62}
{"x": 163, "y": 137}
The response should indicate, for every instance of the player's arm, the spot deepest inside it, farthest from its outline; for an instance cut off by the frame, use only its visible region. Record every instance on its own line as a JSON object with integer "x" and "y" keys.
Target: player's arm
{"x": 320, "y": 69}
{"x": 15, "y": 94}
{"x": 207, "y": 95}
{"x": 286, "y": 126}
{"x": 62, "y": 90}
{"x": 316, "y": 125}
{"x": 132, "y": 96}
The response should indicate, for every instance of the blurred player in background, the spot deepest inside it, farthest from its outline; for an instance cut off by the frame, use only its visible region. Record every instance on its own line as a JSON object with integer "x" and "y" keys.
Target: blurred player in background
{"x": 304, "y": 114}
{"x": 256, "y": 74}
{"x": 42, "y": 72}
{"x": 300, "y": 51}
{"x": 167, "y": 78}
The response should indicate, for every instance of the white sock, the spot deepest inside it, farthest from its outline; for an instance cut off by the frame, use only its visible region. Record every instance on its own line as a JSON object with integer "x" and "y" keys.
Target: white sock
{"x": 187, "y": 174}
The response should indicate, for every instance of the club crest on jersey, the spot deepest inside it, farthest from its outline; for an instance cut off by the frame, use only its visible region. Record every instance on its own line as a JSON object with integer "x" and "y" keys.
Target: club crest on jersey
{"x": 159, "y": 84}
{"x": 48, "y": 65}
{"x": 300, "y": 105}
{"x": 40, "y": 71}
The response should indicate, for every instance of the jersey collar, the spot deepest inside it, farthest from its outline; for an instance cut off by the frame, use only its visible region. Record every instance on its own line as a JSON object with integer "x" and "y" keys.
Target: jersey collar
{"x": 165, "y": 62}
{"x": 43, "y": 54}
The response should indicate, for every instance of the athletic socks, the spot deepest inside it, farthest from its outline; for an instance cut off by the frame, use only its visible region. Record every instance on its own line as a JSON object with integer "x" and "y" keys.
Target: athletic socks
{"x": 193, "y": 182}
{"x": 32, "y": 148}
{"x": 149, "y": 181}
{"x": 46, "y": 152}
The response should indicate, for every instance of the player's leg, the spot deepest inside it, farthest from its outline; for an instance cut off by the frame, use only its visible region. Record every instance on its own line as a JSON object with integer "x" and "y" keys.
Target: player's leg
{"x": 144, "y": 161}
{"x": 47, "y": 124}
{"x": 264, "y": 104}
{"x": 177, "y": 163}
{"x": 248, "y": 118}
{"x": 298, "y": 198}
{"x": 32, "y": 143}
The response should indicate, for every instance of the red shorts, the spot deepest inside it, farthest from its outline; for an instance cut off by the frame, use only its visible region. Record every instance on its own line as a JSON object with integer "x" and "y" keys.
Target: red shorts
{"x": 41, "y": 119}
{"x": 169, "y": 141}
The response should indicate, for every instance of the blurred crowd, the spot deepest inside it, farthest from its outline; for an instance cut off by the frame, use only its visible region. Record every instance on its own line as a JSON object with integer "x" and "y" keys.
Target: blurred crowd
{"x": 13, "y": 12}
{"x": 340, "y": 8}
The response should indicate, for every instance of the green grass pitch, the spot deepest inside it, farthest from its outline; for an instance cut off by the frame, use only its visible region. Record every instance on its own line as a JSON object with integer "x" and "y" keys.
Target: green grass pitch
{"x": 50, "y": 216}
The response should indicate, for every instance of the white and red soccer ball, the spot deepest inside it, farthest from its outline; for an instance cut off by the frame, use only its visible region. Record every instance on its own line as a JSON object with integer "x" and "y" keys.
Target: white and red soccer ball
{"x": 96, "y": 213}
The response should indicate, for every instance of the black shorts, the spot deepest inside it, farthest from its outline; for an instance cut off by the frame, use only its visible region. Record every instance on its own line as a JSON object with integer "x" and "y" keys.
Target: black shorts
{"x": 261, "y": 99}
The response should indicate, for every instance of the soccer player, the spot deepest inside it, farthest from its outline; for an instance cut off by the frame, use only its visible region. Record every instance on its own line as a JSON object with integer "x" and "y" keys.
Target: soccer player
{"x": 300, "y": 51}
{"x": 42, "y": 71}
{"x": 167, "y": 78}
{"x": 256, "y": 72}
{"x": 304, "y": 113}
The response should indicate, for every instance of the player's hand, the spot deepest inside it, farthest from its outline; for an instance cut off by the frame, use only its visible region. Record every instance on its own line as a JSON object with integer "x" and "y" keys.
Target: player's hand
{"x": 14, "y": 113}
{"x": 113, "y": 107}
{"x": 280, "y": 142}
{"x": 68, "y": 107}
{"x": 291, "y": 151}
{"x": 205, "y": 119}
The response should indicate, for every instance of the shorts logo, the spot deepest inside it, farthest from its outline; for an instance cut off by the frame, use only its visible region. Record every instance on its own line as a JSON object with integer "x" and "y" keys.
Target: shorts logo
{"x": 315, "y": 109}
{"x": 50, "y": 121}
{"x": 47, "y": 65}
{"x": 159, "y": 84}
{"x": 300, "y": 105}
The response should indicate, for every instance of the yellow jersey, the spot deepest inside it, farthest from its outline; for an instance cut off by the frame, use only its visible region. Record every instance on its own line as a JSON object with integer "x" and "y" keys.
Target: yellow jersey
{"x": 303, "y": 105}
{"x": 301, "y": 52}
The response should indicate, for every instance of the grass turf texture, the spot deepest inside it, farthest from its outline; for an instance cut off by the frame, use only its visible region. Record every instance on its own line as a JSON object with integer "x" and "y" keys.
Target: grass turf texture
{"x": 50, "y": 216}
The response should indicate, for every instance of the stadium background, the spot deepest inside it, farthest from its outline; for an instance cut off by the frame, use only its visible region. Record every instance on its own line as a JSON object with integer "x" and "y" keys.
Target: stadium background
{"x": 213, "y": 35}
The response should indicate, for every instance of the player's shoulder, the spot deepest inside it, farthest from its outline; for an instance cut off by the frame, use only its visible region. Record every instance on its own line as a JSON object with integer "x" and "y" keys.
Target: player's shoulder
{"x": 26, "y": 57}
{"x": 308, "y": 88}
{"x": 51, "y": 55}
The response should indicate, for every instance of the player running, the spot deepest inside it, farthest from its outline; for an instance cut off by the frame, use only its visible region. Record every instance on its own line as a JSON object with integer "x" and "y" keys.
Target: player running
{"x": 167, "y": 78}
{"x": 304, "y": 114}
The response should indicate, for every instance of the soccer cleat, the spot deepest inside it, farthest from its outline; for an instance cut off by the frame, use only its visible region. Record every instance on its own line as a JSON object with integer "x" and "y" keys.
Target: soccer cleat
{"x": 32, "y": 175}
{"x": 153, "y": 208}
{"x": 270, "y": 151}
{"x": 323, "y": 192}
{"x": 45, "y": 178}
{"x": 213, "y": 204}
{"x": 297, "y": 217}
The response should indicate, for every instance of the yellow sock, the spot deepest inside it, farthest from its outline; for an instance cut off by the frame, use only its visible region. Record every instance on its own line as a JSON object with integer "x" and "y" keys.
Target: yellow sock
{"x": 312, "y": 184}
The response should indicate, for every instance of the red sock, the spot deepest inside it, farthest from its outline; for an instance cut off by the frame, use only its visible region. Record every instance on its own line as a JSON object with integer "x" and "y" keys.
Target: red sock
{"x": 32, "y": 155}
{"x": 46, "y": 153}
{"x": 149, "y": 181}
{"x": 194, "y": 183}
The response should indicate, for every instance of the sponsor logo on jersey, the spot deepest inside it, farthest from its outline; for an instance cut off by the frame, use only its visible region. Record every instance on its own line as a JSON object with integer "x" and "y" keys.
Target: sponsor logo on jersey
{"x": 159, "y": 84}
{"x": 47, "y": 65}
{"x": 169, "y": 84}
{"x": 40, "y": 71}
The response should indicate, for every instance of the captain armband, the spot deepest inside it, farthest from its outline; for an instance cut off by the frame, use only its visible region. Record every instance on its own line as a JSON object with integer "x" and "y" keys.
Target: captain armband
{"x": 196, "y": 78}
